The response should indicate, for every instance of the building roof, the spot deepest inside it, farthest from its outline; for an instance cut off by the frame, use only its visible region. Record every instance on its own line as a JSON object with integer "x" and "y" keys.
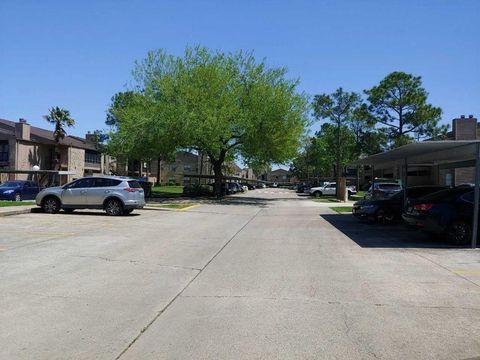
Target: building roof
{"x": 44, "y": 136}
{"x": 424, "y": 153}
{"x": 279, "y": 171}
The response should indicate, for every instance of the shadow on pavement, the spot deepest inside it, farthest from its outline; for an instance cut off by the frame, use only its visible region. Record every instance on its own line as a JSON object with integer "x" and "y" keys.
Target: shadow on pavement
{"x": 384, "y": 236}
{"x": 93, "y": 213}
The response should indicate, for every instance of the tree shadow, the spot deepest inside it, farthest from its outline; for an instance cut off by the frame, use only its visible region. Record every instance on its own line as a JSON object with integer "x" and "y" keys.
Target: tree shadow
{"x": 94, "y": 213}
{"x": 369, "y": 235}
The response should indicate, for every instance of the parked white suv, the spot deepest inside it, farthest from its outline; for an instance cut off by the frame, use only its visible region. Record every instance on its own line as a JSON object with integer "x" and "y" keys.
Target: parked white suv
{"x": 330, "y": 189}
{"x": 116, "y": 195}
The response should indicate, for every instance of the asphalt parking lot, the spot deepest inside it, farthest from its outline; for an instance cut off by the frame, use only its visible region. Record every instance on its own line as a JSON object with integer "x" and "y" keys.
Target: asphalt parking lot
{"x": 266, "y": 274}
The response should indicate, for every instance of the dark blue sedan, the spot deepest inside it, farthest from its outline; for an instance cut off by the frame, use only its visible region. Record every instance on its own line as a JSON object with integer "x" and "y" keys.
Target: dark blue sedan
{"x": 389, "y": 209}
{"x": 19, "y": 190}
{"x": 448, "y": 213}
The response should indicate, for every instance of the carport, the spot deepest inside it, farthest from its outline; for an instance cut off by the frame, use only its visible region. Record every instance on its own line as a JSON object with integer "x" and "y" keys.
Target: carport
{"x": 39, "y": 173}
{"x": 437, "y": 155}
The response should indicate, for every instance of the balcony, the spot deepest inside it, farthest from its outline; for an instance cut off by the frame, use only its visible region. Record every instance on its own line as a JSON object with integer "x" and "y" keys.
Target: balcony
{"x": 92, "y": 165}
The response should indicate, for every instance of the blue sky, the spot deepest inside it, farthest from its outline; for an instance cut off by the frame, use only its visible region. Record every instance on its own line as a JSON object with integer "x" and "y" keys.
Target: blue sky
{"x": 77, "y": 54}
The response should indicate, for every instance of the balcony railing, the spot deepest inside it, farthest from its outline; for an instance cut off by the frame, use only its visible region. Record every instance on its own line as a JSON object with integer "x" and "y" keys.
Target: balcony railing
{"x": 92, "y": 165}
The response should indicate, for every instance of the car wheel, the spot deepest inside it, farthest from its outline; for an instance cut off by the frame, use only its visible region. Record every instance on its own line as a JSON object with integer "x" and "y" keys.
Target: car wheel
{"x": 68, "y": 211}
{"x": 127, "y": 212}
{"x": 114, "y": 207}
{"x": 460, "y": 232}
{"x": 385, "y": 217}
{"x": 51, "y": 205}
{"x": 317, "y": 193}
{"x": 17, "y": 197}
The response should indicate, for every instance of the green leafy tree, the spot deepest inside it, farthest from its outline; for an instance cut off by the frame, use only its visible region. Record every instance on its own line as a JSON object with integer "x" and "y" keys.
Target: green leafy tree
{"x": 119, "y": 101}
{"x": 399, "y": 103}
{"x": 317, "y": 158}
{"x": 61, "y": 119}
{"x": 338, "y": 108}
{"x": 224, "y": 105}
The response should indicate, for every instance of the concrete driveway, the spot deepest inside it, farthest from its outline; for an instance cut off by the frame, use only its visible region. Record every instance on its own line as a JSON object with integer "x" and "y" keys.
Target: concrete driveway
{"x": 263, "y": 275}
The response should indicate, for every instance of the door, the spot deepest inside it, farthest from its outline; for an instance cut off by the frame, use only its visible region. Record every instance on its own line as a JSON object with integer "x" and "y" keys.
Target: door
{"x": 99, "y": 191}
{"x": 330, "y": 189}
{"x": 27, "y": 191}
{"x": 75, "y": 194}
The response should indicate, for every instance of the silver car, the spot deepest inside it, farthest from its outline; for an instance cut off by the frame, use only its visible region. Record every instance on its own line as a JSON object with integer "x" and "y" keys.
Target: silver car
{"x": 116, "y": 195}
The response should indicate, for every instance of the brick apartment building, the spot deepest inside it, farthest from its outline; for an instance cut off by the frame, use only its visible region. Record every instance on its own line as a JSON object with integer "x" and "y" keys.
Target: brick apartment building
{"x": 23, "y": 146}
{"x": 463, "y": 128}
{"x": 181, "y": 171}
{"x": 280, "y": 176}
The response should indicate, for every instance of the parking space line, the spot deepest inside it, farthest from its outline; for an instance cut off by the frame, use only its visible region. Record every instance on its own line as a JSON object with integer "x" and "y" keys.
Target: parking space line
{"x": 189, "y": 207}
{"x": 472, "y": 272}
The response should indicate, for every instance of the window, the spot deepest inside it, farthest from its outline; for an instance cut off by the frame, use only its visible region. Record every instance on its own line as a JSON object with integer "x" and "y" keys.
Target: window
{"x": 134, "y": 184}
{"x": 106, "y": 182}
{"x": 187, "y": 167}
{"x": 93, "y": 157}
{"x": 82, "y": 183}
{"x": 173, "y": 168}
{"x": 469, "y": 197}
{"x": 3, "y": 150}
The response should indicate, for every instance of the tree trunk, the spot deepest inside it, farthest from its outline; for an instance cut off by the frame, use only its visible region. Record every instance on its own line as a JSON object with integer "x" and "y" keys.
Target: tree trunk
{"x": 57, "y": 165}
{"x": 158, "y": 171}
{"x": 217, "y": 169}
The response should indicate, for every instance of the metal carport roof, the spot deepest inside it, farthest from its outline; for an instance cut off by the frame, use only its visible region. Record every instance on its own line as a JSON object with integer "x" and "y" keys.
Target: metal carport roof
{"x": 451, "y": 153}
{"x": 426, "y": 152}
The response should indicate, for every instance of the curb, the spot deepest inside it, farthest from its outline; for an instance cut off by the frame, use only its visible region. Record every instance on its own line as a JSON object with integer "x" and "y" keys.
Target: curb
{"x": 167, "y": 209}
{"x": 16, "y": 212}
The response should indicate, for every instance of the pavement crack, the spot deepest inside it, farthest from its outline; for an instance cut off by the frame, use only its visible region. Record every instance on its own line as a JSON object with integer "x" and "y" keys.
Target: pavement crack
{"x": 145, "y": 328}
{"x": 107, "y": 259}
{"x": 104, "y": 258}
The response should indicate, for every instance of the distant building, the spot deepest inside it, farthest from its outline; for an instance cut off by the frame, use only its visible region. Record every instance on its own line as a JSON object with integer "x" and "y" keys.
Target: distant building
{"x": 23, "y": 146}
{"x": 176, "y": 172}
{"x": 280, "y": 176}
{"x": 179, "y": 171}
{"x": 248, "y": 174}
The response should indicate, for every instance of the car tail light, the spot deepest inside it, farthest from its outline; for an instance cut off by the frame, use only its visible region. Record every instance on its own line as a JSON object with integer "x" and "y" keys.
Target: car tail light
{"x": 423, "y": 207}
{"x": 130, "y": 190}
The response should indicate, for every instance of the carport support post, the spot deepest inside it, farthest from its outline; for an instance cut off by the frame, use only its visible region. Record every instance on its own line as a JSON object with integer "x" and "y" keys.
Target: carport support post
{"x": 373, "y": 179}
{"x": 477, "y": 197}
{"x": 405, "y": 183}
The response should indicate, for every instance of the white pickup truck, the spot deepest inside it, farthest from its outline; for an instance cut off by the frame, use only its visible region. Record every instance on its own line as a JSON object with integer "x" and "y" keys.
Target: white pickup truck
{"x": 330, "y": 189}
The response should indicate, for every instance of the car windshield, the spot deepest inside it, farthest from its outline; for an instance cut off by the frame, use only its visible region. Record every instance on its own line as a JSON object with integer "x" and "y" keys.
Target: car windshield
{"x": 389, "y": 187}
{"x": 11, "y": 184}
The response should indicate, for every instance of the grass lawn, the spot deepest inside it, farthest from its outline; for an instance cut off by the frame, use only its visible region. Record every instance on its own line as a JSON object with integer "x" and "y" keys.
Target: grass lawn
{"x": 342, "y": 209}
{"x": 167, "y": 191}
{"x": 358, "y": 196}
{"x": 16, "y": 203}
{"x": 172, "y": 206}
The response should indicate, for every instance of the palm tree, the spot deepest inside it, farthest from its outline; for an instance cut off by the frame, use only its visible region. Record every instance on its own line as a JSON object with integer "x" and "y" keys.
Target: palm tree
{"x": 60, "y": 118}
